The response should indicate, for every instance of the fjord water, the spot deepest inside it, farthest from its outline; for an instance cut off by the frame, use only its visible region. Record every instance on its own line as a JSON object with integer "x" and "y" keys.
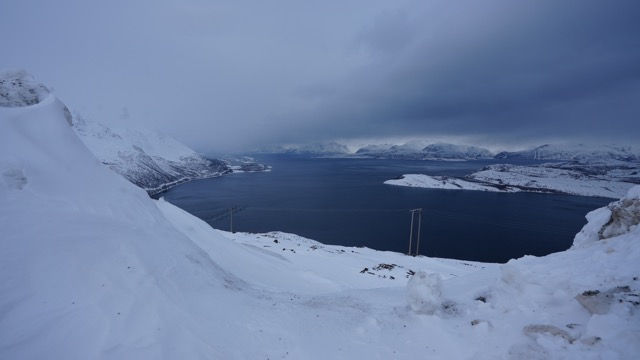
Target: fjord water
{"x": 345, "y": 202}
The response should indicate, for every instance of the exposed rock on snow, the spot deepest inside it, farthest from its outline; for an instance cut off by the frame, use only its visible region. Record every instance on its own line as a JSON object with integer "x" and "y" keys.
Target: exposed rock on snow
{"x": 625, "y": 215}
{"x": 598, "y": 302}
{"x": 535, "y": 331}
{"x": 17, "y": 89}
{"x": 616, "y": 219}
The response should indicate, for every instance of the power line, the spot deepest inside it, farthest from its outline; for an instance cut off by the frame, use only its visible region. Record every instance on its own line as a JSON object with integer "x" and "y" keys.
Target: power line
{"x": 224, "y": 214}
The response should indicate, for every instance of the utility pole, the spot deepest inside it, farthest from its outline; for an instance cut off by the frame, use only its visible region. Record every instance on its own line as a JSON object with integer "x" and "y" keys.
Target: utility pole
{"x": 413, "y": 212}
{"x": 410, "y": 233}
{"x": 419, "y": 224}
{"x": 226, "y": 213}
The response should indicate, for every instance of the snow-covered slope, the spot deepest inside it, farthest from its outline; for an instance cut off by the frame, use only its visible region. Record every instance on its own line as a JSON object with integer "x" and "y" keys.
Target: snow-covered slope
{"x": 92, "y": 268}
{"x": 582, "y": 152}
{"x": 150, "y": 160}
{"x": 439, "y": 151}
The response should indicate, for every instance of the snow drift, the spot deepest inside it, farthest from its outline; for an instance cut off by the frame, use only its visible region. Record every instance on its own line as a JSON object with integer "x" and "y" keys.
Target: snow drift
{"x": 91, "y": 268}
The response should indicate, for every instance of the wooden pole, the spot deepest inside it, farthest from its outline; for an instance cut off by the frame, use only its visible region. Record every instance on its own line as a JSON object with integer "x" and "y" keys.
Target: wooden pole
{"x": 410, "y": 233}
{"x": 419, "y": 223}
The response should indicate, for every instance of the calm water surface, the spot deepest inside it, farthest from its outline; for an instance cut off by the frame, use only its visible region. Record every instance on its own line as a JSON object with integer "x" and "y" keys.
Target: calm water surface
{"x": 344, "y": 202}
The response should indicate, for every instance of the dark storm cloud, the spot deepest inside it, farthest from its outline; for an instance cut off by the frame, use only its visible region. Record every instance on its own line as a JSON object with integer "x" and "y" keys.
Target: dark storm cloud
{"x": 223, "y": 75}
{"x": 538, "y": 70}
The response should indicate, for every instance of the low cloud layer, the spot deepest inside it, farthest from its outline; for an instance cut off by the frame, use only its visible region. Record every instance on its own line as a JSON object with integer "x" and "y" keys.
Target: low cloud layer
{"x": 227, "y": 76}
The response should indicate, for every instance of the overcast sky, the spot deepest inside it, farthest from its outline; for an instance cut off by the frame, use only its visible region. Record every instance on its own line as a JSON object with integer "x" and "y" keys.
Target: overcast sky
{"x": 232, "y": 75}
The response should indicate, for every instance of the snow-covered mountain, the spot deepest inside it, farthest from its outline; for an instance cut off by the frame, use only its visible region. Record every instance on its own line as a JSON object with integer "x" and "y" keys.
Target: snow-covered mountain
{"x": 150, "y": 160}
{"x": 450, "y": 151}
{"x": 314, "y": 149}
{"x": 92, "y": 268}
{"x": 580, "y": 152}
{"x": 438, "y": 151}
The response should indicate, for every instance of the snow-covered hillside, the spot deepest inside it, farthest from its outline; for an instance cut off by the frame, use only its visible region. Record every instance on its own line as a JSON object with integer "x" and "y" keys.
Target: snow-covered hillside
{"x": 611, "y": 179}
{"x": 150, "y": 160}
{"x": 92, "y": 268}
{"x": 439, "y": 151}
{"x": 581, "y": 152}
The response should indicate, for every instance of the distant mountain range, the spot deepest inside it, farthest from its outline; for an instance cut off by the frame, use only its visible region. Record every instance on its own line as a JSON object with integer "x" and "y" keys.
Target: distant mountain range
{"x": 579, "y": 152}
{"x": 438, "y": 151}
{"x": 422, "y": 150}
{"x": 315, "y": 149}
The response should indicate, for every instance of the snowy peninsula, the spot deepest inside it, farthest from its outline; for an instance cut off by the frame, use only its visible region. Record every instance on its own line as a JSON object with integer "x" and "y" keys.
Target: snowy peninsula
{"x": 610, "y": 179}
{"x": 92, "y": 268}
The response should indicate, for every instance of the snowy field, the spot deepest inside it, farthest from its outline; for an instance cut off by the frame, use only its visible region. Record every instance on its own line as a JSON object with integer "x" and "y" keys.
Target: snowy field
{"x": 92, "y": 268}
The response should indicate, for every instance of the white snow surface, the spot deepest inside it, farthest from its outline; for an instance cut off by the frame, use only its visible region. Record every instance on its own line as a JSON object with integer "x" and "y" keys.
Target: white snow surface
{"x": 560, "y": 178}
{"x": 92, "y": 268}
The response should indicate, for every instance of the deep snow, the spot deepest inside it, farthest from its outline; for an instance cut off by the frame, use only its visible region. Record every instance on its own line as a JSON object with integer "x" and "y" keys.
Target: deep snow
{"x": 91, "y": 268}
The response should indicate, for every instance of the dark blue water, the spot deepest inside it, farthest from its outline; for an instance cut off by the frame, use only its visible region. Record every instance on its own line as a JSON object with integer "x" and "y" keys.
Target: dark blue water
{"x": 344, "y": 202}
